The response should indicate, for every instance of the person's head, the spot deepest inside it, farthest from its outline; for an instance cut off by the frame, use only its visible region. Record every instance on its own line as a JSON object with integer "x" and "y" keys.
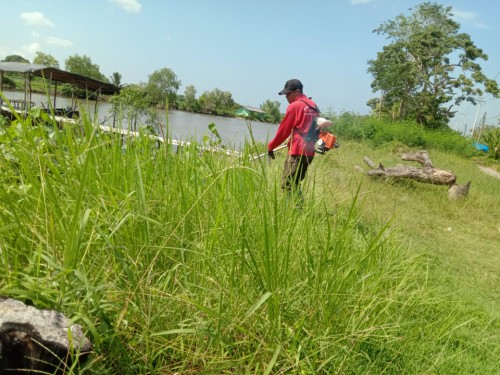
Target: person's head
{"x": 293, "y": 88}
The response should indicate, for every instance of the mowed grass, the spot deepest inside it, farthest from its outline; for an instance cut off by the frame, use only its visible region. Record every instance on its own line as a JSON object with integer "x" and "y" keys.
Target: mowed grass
{"x": 461, "y": 239}
{"x": 193, "y": 262}
{"x": 457, "y": 242}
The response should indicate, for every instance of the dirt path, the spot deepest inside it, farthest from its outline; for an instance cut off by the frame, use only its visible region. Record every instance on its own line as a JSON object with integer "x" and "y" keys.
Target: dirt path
{"x": 490, "y": 171}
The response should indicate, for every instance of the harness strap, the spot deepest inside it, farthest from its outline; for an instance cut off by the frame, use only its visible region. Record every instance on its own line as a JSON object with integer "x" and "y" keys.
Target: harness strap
{"x": 311, "y": 135}
{"x": 310, "y": 106}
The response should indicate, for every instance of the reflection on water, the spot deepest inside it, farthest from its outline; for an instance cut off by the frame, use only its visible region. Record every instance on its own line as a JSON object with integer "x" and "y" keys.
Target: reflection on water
{"x": 181, "y": 125}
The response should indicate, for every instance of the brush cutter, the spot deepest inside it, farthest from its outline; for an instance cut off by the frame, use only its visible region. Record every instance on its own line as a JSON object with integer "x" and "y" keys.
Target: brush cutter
{"x": 270, "y": 154}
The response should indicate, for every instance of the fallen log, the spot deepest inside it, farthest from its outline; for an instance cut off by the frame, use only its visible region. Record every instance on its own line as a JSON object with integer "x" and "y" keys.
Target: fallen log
{"x": 426, "y": 174}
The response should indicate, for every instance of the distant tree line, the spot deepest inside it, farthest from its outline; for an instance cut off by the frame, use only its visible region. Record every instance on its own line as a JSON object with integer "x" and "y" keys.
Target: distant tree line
{"x": 160, "y": 91}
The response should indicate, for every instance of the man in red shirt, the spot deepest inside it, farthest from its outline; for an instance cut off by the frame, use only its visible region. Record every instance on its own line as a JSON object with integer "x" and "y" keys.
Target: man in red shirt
{"x": 299, "y": 117}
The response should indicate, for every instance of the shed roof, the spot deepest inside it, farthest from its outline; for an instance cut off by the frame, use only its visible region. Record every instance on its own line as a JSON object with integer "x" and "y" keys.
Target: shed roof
{"x": 59, "y": 76}
{"x": 253, "y": 109}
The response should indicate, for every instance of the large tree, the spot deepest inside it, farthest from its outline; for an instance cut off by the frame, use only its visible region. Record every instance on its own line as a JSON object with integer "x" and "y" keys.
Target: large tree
{"x": 428, "y": 67}
{"x": 217, "y": 102}
{"x": 189, "y": 101}
{"x": 162, "y": 86}
{"x": 45, "y": 59}
{"x": 272, "y": 109}
{"x": 15, "y": 58}
{"x": 84, "y": 66}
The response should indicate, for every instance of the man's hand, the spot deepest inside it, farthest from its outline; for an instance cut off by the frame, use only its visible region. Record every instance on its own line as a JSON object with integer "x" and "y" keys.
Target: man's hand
{"x": 271, "y": 154}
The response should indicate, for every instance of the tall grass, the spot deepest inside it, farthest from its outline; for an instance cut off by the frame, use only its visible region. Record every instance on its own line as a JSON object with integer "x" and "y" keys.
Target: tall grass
{"x": 379, "y": 132}
{"x": 191, "y": 262}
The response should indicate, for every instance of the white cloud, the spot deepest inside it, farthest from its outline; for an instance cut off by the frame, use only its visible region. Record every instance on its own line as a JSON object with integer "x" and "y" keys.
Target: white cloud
{"x": 58, "y": 41}
{"x": 3, "y": 52}
{"x": 357, "y": 2}
{"x": 469, "y": 18}
{"x": 36, "y": 19}
{"x": 464, "y": 15}
{"x": 131, "y": 6}
{"x": 30, "y": 49}
{"x": 35, "y": 35}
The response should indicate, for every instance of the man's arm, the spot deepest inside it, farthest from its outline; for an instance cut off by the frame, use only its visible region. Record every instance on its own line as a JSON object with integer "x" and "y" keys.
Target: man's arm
{"x": 283, "y": 132}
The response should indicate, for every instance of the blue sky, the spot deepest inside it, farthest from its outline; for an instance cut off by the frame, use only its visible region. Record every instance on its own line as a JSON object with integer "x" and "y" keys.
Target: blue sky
{"x": 249, "y": 48}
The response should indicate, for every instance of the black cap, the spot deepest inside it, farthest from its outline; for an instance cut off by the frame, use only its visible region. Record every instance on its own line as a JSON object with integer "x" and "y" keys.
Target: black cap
{"x": 291, "y": 85}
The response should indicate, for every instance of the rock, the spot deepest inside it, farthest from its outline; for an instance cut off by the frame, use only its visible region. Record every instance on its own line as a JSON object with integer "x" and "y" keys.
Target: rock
{"x": 33, "y": 340}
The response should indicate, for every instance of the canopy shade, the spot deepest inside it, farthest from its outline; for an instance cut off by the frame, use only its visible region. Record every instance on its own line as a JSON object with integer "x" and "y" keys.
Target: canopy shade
{"x": 59, "y": 75}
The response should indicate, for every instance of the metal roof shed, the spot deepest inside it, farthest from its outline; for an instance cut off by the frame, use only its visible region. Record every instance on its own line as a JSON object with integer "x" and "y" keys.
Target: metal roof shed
{"x": 55, "y": 75}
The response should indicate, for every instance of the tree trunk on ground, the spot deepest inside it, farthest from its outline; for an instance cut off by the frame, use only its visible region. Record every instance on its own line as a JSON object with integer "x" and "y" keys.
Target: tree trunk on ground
{"x": 427, "y": 174}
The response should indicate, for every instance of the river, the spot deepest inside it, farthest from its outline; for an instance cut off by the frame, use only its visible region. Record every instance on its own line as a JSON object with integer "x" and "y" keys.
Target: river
{"x": 182, "y": 125}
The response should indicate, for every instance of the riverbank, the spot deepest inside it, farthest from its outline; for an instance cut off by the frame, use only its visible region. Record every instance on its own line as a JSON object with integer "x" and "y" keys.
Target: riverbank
{"x": 198, "y": 263}
{"x": 107, "y": 99}
{"x": 179, "y": 125}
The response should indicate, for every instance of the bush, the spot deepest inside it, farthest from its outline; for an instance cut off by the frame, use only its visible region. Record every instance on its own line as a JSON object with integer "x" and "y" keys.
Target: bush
{"x": 352, "y": 126}
{"x": 491, "y": 137}
{"x": 381, "y": 131}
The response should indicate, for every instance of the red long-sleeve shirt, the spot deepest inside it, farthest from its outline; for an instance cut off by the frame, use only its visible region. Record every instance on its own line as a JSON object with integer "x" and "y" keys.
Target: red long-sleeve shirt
{"x": 295, "y": 124}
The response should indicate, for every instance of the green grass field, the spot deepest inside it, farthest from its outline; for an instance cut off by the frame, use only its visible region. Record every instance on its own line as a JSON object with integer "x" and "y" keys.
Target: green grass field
{"x": 460, "y": 238}
{"x": 198, "y": 263}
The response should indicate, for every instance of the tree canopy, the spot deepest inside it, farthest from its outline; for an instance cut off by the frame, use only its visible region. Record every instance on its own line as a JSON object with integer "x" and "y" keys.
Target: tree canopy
{"x": 188, "y": 101}
{"x": 428, "y": 67}
{"x": 15, "y": 58}
{"x": 272, "y": 109}
{"x": 131, "y": 103}
{"x": 163, "y": 85}
{"x": 83, "y": 65}
{"x": 116, "y": 79}
{"x": 45, "y": 59}
{"x": 217, "y": 102}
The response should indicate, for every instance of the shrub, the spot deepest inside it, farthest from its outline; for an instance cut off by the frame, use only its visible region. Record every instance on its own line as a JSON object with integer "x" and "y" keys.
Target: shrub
{"x": 382, "y": 131}
{"x": 491, "y": 137}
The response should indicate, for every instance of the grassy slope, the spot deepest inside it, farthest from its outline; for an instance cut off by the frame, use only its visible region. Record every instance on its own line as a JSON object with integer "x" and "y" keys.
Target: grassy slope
{"x": 461, "y": 240}
{"x": 221, "y": 275}
{"x": 458, "y": 242}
